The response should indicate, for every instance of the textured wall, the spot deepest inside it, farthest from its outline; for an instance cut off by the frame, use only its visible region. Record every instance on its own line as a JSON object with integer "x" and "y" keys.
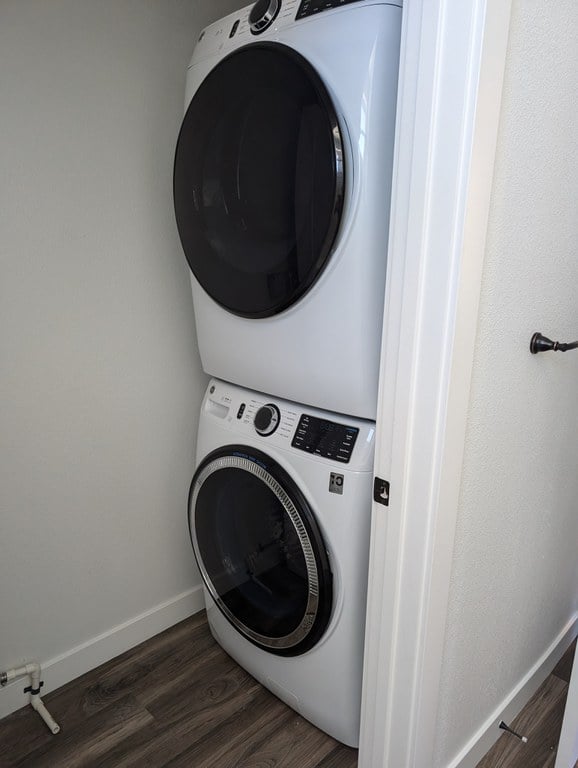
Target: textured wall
{"x": 515, "y": 574}
{"x": 101, "y": 380}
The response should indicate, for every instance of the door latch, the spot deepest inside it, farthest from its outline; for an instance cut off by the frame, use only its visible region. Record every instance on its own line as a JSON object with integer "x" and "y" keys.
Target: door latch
{"x": 381, "y": 491}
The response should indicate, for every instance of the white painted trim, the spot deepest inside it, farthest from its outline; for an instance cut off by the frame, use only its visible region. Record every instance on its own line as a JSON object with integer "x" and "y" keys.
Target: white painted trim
{"x": 488, "y": 734}
{"x": 97, "y": 650}
{"x": 453, "y": 58}
{"x": 567, "y": 755}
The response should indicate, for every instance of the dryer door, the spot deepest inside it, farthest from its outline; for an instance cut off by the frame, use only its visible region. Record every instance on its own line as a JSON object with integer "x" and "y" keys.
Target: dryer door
{"x": 260, "y": 551}
{"x": 259, "y": 180}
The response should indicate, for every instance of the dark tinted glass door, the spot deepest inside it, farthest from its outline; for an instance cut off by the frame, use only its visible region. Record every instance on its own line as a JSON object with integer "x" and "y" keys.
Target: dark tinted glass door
{"x": 259, "y": 180}
{"x": 260, "y": 551}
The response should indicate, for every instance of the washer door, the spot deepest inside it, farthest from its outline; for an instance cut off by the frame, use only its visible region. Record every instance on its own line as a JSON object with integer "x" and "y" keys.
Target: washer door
{"x": 260, "y": 551}
{"x": 259, "y": 180}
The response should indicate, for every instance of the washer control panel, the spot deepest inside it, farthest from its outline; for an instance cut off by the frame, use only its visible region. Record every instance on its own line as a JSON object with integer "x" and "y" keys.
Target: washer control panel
{"x": 325, "y": 438}
{"x": 269, "y": 423}
{"x": 311, "y": 7}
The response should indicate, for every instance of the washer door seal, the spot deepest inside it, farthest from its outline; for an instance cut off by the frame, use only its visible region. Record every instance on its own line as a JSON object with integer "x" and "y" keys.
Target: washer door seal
{"x": 260, "y": 550}
{"x": 259, "y": 180}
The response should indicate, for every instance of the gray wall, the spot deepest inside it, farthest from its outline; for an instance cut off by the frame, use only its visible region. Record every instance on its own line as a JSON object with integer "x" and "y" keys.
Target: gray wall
{"x": 515, "y": 570}
{"x": 100, "y": 377}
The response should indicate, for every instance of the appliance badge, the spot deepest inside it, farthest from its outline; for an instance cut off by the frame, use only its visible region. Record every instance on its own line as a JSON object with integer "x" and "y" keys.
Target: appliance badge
{"x": 336, "y": 483}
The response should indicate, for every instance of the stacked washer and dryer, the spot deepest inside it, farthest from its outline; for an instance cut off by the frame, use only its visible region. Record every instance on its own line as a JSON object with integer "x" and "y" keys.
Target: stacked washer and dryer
{"x": 282, "y": 188}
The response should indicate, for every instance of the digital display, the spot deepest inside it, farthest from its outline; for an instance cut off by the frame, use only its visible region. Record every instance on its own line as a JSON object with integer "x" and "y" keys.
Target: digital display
{"x": 311, "y": 7}
{"x": 325, "y": 438}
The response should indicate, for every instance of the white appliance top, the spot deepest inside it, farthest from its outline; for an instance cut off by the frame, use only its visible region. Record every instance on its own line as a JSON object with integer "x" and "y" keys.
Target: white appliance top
{"x": 310, "y": 432}
{"x": 233, "y": 31}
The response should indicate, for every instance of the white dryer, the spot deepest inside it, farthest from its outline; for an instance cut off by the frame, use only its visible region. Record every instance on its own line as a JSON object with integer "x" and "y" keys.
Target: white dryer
{"x": 282, "y": 189}
{"x": 279, "y": 514}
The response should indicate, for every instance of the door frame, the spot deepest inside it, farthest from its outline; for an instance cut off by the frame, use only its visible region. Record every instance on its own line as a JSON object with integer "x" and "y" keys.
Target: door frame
{"x": 451, "y": 75}
{"x": 567, "y": 753}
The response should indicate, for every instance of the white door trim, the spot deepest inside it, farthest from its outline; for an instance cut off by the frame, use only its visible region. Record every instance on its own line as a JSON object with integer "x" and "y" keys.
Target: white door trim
{"x": 452, "y": 65}
{"x": 567, "y": 753}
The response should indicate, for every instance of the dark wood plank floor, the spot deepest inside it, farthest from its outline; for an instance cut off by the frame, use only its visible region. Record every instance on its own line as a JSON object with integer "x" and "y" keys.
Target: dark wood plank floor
{"x": 540, "y": 721}
{"x": 176, "y": 700}
{"x": 179, "y": 700}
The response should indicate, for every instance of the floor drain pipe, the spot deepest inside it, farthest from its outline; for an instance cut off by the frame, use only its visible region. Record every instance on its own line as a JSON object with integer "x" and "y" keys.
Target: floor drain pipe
{"x": 33, "y": 671}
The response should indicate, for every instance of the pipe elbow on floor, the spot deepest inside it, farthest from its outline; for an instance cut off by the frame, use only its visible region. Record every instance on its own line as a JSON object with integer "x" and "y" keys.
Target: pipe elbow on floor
{"x": 32, "y": 670}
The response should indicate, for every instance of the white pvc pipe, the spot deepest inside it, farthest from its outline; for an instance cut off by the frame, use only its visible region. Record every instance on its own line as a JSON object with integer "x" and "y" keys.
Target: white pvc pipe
{"x": 37, "y": 704}
{"x": 33, "y": 671}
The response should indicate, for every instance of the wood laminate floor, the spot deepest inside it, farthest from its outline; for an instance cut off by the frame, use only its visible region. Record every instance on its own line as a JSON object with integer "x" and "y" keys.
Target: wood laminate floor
{"x": 179, "y": 700}
{"x": 540, "y": 721}
{"x": 176, "y": 700}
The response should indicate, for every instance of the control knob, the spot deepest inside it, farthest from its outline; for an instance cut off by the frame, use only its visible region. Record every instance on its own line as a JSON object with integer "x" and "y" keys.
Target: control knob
{"x": 266, "y": 419}
{"x": 263, "y": 14}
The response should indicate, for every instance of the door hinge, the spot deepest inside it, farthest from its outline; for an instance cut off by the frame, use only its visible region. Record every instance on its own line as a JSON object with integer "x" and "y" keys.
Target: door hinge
{"x": 381, "y": 491}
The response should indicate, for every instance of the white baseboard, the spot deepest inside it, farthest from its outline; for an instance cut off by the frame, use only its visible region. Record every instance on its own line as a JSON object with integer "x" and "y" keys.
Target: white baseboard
{"x": 97, "y": 650}
{"x": 514, "y": 702}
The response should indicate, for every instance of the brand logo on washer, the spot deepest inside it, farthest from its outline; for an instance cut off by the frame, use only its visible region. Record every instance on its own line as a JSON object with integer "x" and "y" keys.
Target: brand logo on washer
{"x": 336, "y": 483}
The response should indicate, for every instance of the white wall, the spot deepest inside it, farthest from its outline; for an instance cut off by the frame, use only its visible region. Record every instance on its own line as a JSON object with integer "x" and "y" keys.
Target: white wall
{"x": 515, "y": 571}
{"x": 100, "y": 377}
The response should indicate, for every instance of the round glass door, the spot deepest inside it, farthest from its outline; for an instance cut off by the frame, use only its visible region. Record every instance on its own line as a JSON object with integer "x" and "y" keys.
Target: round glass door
{"x": 259, "y": 180}
{"x": 260, "y": 551}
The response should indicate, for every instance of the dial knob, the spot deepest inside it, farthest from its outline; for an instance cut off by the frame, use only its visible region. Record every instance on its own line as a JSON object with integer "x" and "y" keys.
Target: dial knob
{"x": 266, "y": 419}
{"x": 263, "y": 14}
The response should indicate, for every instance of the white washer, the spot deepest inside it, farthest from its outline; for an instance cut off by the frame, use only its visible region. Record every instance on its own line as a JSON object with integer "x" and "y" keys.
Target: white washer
{"x": 282, "y": 189}
{"x": 280, "y": 528}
